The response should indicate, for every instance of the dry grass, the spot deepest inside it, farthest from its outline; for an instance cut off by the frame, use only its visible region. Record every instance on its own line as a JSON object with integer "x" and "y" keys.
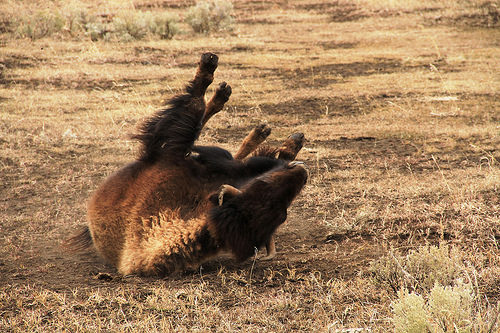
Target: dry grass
{"x": 399, "y": 101}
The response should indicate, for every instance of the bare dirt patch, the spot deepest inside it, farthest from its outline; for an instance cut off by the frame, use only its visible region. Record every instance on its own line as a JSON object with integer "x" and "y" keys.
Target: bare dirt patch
{"x": 327, "y": 74}
{"x": 323, "y": 75}
{"x": 488, "y": 19}
{"x": 345, "y": 11}
{"x": 59, "y": 83}
{"x": 308, "y": 109}
{"x": 334, "y": 45}
{"x": 20, "y": 61}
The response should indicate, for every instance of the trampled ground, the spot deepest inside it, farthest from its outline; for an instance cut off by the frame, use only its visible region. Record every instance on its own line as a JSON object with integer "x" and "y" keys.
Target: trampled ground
{"x": 400, "y": 105}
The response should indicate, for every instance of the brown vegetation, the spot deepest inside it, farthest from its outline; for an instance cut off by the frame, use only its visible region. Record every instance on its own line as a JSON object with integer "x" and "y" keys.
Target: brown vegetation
{"x": 399, "y": 101}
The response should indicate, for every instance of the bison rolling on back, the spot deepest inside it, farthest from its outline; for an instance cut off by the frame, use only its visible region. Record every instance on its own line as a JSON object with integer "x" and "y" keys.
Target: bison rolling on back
{"x": 180, "y": 204}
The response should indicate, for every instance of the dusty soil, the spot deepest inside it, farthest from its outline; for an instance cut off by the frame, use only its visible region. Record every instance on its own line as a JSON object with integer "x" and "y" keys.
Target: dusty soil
{"x": 402, "y": 142}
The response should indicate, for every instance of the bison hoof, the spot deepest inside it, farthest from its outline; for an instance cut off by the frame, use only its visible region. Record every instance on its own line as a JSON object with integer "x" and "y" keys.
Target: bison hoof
{"x": 262, "y": 131}
{"x": 298, "y": 139}
{"x": 268, "y": 257}
{"x": 223, "y": 92}
{"x": 209, "y": 62}
{"x": 291, "y": 147}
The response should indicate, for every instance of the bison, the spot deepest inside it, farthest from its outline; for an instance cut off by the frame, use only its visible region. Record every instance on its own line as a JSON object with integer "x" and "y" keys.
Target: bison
{"x": 180, "y": 204}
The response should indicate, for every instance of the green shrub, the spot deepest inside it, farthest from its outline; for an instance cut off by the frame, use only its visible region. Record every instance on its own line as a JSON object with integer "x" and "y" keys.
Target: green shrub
{"x": 126, "y": 25}
{"x": 410, "y": 315}
{"x": 130, "y": 25}
{"x": 431, "y": 294}
{"x": 98, "y": 30}
{"x": 137, "y": 25}
{"x": 214, "y": 15}
{"x": 77, "y": 17}
{"x": 451, "y": 307}
{"x": 42, "y": 24}
{"x": 164, "y": 26}
{"x": 420, "y": 269}
{"x": 444, "y": 309}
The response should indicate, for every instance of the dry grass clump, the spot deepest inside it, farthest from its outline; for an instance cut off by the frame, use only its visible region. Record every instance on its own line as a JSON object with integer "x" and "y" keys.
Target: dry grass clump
{"x": 222, "y": 301}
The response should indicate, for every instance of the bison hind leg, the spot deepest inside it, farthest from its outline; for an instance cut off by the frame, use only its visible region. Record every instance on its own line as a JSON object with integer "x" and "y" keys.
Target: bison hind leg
{"x": 291, "y": 147}
{"x": 287, "y": 151}
{"x": 252, "y": 141}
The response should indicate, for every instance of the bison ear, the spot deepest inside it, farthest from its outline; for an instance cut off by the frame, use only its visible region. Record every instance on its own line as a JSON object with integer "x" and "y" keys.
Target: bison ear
{"x": 224, "y": 193}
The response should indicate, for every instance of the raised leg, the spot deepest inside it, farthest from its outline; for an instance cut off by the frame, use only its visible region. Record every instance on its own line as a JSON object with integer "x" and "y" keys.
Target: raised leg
{"x": 291, "y": 147}
{"x": 252, "y": 141}
{"x": 171, "y": 132}
{"x": 217, "y": 101}
{"x": 204, "y": 75}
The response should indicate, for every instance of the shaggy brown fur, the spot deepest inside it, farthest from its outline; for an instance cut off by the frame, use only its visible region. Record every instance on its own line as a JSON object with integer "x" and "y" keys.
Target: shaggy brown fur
{"x": 167, "y": 210}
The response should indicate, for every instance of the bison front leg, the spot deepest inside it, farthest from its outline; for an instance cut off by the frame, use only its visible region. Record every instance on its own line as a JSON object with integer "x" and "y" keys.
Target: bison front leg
{"x": 204, "y": 75}
{"x": 217, "y": 101}
{"x": 271, "y": 249}
{"x": 252, "y": 141}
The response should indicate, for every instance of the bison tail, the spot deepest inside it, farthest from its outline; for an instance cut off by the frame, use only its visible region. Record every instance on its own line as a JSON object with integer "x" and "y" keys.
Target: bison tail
{"x": 79, "y": 242}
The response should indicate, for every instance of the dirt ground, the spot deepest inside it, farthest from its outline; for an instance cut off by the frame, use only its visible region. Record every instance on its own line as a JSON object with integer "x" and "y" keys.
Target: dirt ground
{"x": 401, "y": 110}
